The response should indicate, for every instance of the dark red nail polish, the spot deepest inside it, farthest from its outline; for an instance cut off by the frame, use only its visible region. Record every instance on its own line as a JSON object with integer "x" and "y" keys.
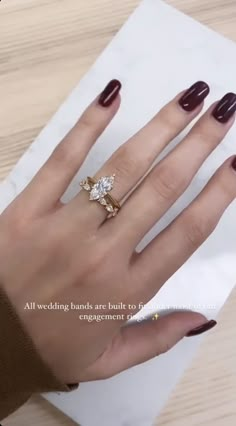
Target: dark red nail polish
{"x": 194, "y": 96}
{"x": 233, "y": 164}
{"x": 110, "y": 93}
{"x": 226, "y": 108}
{"x": 202, "y": 328}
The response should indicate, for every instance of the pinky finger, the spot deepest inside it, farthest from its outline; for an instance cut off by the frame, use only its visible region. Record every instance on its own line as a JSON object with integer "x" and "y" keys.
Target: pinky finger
{"x": 140, "y": 342}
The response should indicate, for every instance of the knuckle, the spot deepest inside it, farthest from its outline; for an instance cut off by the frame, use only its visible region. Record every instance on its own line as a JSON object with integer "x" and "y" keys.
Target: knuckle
{"x": 169, "y": 119}
{"x": 225, "y": 186}
{"x": 162, "y": 343}
{"x": 85, "y": 130}
{"x": 86, "y": 125}
{"x": 62, "y": 153}
{"x": 164, "y": 348}
{"x": 126, "y": 163}
{"x": 196, "y": 228}
{"x": 206, "y": 133}
{"x": 167, "y": 183}
{"x": 165, "y": 116}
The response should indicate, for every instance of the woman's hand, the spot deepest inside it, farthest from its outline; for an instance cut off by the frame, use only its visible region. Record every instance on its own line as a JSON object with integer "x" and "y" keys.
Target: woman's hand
{"x": 50, "y": 252}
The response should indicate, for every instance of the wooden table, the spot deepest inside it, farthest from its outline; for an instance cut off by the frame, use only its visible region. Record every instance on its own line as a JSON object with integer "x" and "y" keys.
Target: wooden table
{"x": 46, "y": 46}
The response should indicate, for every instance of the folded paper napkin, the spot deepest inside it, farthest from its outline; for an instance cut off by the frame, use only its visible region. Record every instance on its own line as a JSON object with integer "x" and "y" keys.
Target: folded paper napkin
{"x": 157, "y": 53}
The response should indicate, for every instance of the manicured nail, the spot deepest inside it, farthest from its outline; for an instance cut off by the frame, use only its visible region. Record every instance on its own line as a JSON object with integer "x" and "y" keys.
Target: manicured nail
{"x": 110, "y": 93}
{"x": 226, "y": 108}
{"x": 194, "y": 96}
{"x": 233, "y": 164}
{"x": 202, "y": 328}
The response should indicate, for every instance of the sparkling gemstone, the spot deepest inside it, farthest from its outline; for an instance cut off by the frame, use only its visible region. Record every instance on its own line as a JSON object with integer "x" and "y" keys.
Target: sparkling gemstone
{"x": 94, "y": 194}
{"x": 106, "y": 184}
{"x": 85, "y": 185}
{"x": 103, "y": 202}
{"x": 109, "y": 208}
{"x": 102, "y": 187}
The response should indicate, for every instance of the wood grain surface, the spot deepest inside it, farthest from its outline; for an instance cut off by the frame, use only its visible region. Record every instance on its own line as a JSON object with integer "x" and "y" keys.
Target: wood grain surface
{"x": 46, "y": 46}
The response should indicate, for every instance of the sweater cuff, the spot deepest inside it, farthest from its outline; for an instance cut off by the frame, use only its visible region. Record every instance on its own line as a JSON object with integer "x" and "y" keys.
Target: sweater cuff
{"x": 22, "y": 370}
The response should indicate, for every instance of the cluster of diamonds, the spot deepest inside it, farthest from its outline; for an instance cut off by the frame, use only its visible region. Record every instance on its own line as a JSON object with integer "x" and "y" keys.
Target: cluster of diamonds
{"x": 99, "y": 190}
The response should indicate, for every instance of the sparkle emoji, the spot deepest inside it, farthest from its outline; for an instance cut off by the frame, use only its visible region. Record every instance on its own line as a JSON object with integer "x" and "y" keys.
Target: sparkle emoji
{"x": 155, "y": 317}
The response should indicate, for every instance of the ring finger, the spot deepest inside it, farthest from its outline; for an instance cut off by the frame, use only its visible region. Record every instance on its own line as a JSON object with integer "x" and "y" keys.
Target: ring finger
{"x": 133, "y": 159}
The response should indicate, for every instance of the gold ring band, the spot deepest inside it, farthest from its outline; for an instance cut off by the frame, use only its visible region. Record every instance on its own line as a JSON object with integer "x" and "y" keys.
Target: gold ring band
{"x": 99, "y": 191}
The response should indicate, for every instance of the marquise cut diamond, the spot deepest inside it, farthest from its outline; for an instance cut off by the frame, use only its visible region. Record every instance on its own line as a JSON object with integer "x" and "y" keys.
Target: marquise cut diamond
{"x": 99, "y": 191}
{"x": 102, "y": 187}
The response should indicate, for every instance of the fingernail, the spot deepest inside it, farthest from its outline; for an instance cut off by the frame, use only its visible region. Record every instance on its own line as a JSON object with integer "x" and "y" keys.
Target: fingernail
{"x": 194, "y": 96}
{"x": 233, "y": 164}
{"x": 110, "y": 93}
{"x": 202, "y": 328}
{"x": 226, "y": 108}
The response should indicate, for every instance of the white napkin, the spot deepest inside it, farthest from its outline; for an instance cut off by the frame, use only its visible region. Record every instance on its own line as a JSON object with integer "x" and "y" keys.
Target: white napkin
{"x": 158, "y": 52}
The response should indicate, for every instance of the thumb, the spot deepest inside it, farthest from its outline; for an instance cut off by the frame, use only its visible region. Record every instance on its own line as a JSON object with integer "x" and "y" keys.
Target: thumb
{"x": 139, "y": 342}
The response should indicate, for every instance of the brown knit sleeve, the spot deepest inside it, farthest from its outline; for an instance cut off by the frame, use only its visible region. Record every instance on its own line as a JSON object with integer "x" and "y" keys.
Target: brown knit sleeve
{"x": 22, "y": 371}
